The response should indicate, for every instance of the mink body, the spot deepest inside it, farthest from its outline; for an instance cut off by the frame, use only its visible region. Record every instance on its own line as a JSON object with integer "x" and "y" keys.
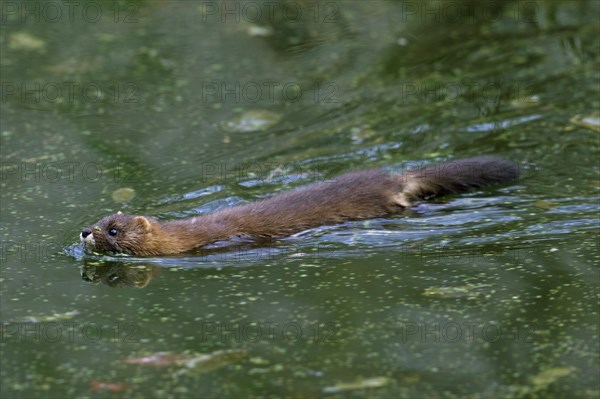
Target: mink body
{"x": 356, "y": 195}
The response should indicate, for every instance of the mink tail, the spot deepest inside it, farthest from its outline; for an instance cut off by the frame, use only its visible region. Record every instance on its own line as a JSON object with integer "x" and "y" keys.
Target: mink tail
{"x": 454, "y": 177}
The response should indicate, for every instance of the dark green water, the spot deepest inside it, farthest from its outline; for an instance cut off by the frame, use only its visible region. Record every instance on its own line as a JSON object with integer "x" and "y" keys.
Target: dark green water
{"x": 192, "y": 106}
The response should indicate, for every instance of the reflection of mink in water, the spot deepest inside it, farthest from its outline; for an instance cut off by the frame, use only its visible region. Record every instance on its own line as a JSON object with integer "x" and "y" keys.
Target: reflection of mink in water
{"x": 118, "y": 275}
{"x": 357, "y": 195}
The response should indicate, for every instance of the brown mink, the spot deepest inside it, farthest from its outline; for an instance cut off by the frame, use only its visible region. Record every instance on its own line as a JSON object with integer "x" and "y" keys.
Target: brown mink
{"x": 356, "y": 195}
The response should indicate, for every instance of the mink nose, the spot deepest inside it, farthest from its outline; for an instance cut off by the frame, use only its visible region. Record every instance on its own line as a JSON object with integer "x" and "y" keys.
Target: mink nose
{"x": 85, "y": 232}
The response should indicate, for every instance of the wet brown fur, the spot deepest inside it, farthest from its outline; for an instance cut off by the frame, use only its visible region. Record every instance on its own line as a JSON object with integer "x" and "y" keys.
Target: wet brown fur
{"x": 357, "y": 195}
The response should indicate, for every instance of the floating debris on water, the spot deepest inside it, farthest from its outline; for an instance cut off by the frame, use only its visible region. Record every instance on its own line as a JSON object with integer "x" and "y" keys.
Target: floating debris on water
{"x": 26, "y": 41}
{"x": 549, "y": 376}
{"x": 196, "y": 363}
{"x": 124, "y": 194}
{"x": 73, "y": 66}
{"x": 46, "y": 318}
{"x": 251, "y": 121}
{"x": 590, "y": 121}
{"x": 260, "y": 31}
{"x": 215, "y": 360}
{"x": 375, "y": 382}
{"x": 160, "y": 359}
{"x": 96, "y": 385}
{"x": 361, "y": 133}
{"x": 463, "y": 291}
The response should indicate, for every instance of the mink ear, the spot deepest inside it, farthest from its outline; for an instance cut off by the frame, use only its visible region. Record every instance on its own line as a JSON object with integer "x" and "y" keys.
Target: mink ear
{"x": 143, "y": 223}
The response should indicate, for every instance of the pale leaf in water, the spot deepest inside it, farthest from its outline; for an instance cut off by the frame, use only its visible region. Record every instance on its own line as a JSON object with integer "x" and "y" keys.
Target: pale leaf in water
{"x": 375, "y": 382}
{"x": 26, "y": 41}
{"x": 251, "y": 121}
{"x": 160, "y": 359}
{"x": 196, "y": 363}
{"x": 590, "y": 121}
{"x": 124, "y": 194}
{"x": 96, "y": 385}
{"x": 549, "y": 376}
{"x": 47, "y": 318}
{"x": 260, "y": 31}
{"x": 215, "y": 360}
{"x": 463, "y": 291}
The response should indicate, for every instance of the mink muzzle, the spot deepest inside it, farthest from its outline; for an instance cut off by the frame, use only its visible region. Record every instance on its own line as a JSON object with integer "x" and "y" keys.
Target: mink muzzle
{"x": 356, "y": 195}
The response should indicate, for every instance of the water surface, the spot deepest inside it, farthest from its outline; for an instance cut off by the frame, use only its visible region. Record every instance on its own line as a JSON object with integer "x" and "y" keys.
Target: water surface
{"x": 190, "y": 109}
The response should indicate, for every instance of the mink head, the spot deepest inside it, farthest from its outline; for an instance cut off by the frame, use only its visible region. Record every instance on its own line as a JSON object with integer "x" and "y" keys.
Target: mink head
{"x": 119, "y": 233}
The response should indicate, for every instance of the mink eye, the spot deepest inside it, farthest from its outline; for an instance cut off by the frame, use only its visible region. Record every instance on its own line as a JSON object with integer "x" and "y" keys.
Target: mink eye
{"x": 112, "y": 232}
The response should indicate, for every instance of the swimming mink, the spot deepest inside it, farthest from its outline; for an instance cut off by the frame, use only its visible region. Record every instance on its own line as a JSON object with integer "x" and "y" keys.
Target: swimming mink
{"x": 356, "y": 195}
